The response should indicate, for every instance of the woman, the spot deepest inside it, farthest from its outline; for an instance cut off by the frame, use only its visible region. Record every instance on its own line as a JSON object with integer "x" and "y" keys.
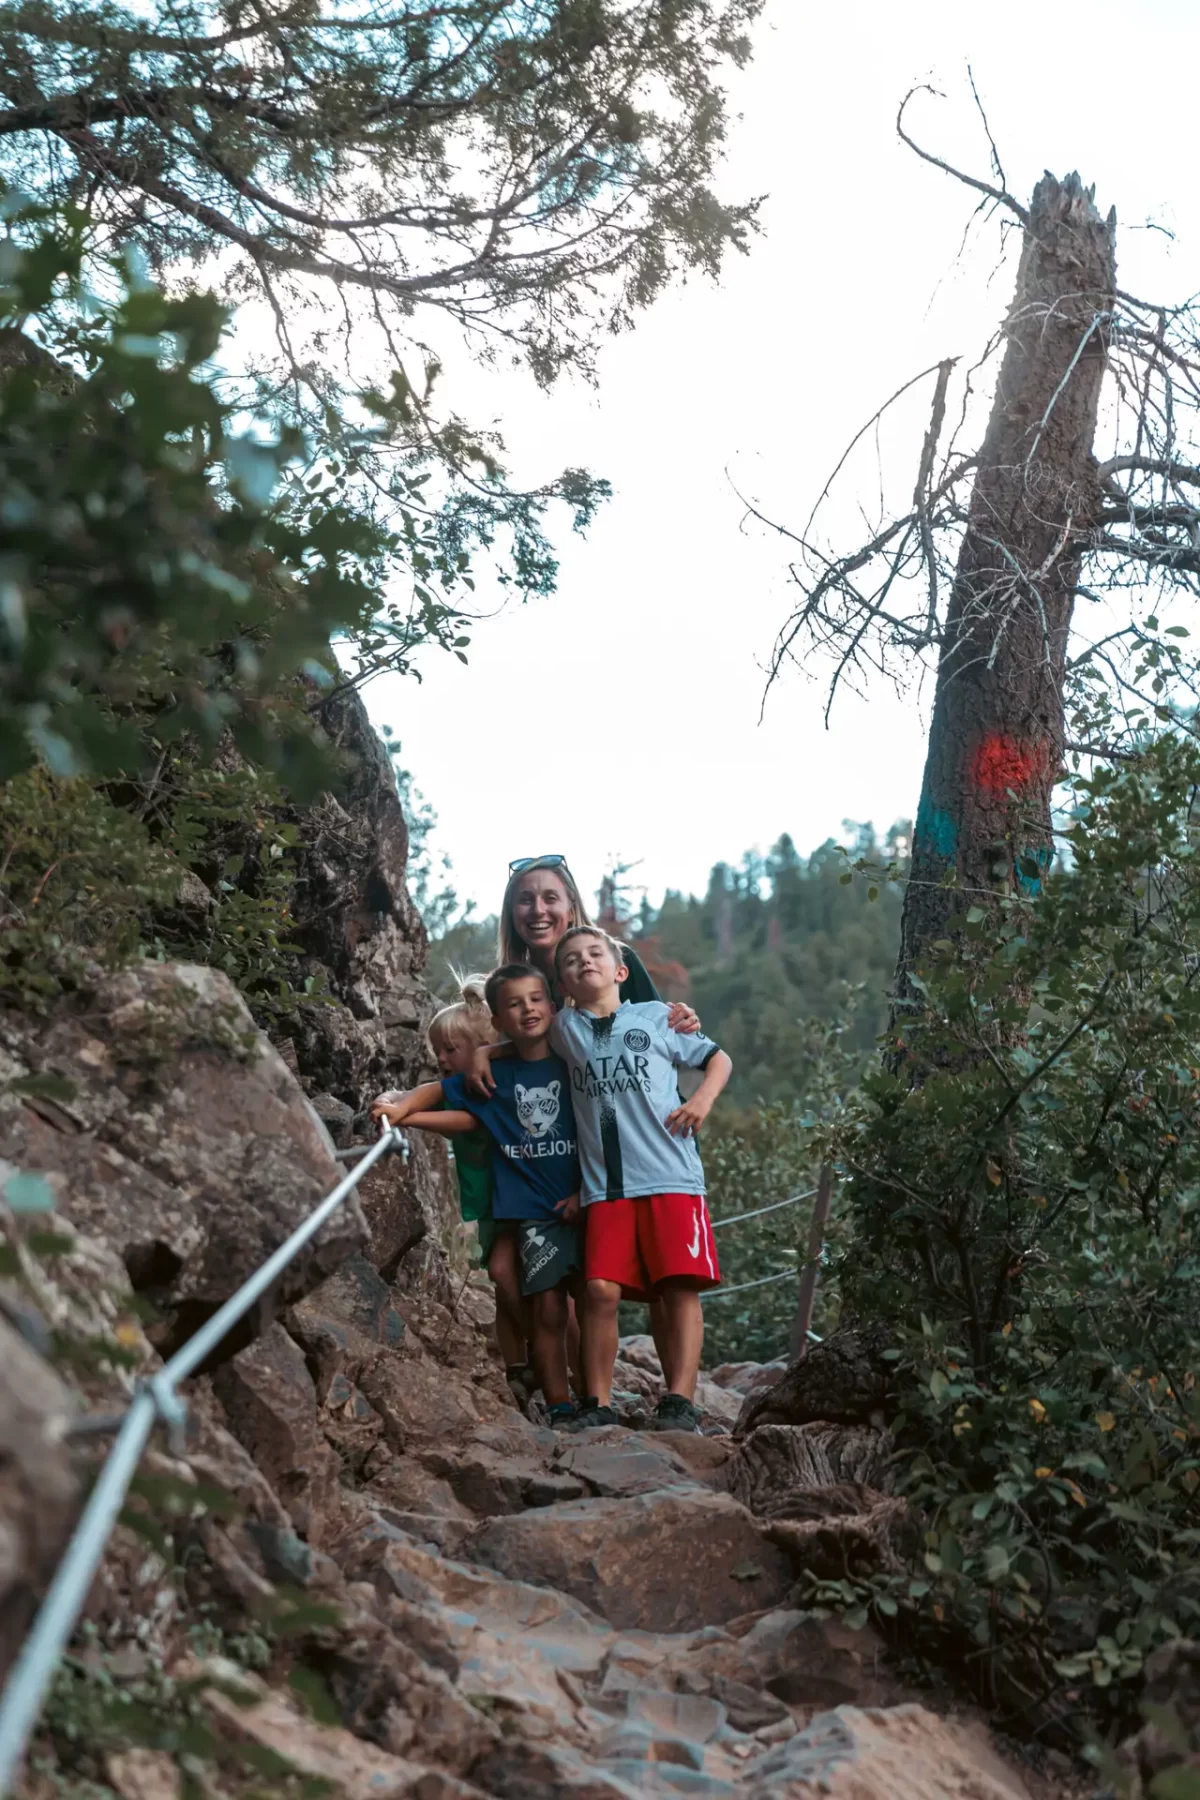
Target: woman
{"x": 541, "y": 902}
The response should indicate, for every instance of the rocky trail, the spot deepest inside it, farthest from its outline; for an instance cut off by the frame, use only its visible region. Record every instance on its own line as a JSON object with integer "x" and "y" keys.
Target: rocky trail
{"x": 367, "y": 1573}
{"x": 377, "y": 1572}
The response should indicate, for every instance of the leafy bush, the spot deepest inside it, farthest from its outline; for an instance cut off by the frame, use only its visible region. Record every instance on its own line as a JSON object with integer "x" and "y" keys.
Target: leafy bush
{"x": 79, "y": 879}
{"x": 162, "y": 558}
{"x": 751, "y": 1160}
{"x": 1021, "y": 1204}
{"x": 195, "y": 863}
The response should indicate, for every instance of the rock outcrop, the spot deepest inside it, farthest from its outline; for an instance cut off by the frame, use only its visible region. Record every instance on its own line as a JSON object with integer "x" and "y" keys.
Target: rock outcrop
{"x": 171, "y": 1132}
{"x": 364, "y": 945}
{"x": 360, "y": 934}
{"x": 367, "y": 1569}
{"x": 478, "y": 1606}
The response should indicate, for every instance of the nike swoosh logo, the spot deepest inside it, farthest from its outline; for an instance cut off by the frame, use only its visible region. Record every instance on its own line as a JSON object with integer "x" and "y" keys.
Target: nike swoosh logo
{"x": 694, "y": 1246}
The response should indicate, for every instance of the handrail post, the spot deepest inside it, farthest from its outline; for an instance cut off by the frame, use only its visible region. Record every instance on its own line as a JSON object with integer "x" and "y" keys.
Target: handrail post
{"x": 812, "y": 1263}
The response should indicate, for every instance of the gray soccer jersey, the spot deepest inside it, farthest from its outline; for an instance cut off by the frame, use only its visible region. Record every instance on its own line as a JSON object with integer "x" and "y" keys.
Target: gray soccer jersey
{"x": 623, "y": 1085}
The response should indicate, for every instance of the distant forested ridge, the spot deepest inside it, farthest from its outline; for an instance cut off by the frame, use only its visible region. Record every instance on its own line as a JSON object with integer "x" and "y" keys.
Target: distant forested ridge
{"x": 775, "y": 943}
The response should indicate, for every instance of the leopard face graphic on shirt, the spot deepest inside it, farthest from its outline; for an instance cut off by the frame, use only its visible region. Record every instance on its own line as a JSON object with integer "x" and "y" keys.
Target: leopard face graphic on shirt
{"x": 538, "y": 1107}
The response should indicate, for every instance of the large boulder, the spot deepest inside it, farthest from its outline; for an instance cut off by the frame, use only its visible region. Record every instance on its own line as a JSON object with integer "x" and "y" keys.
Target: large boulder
{"x": 360, "y": 933}
{"x": 673, "y": 1560}
{"x": 270, "y": 1401}
{"x": 409, "y": 1204}
{"x": 176, "y": 1136}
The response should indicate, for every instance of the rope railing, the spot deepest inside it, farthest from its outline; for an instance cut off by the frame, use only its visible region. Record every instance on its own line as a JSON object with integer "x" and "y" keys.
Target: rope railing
{"x": 736, "y": 1218}
{"x": 157, "y": 1399}
{"x": 723, "y": 1293}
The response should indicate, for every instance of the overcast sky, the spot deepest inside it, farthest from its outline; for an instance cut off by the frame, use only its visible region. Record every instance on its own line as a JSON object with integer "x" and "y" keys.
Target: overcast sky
{"x": 642, "y": 741}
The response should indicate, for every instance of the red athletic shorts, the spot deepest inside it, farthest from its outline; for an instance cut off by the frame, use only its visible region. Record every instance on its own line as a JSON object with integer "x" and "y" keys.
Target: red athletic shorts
{"x": 639, "y": 1243}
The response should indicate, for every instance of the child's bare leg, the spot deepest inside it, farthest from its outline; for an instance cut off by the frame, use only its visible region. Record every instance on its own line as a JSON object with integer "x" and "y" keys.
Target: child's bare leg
{"x": 510, "y": 1334}
{"x": 658, "y": 1330}
{"x": 600, "y": 1338}
{"x": 683, "y": 1321}
{"x": 550, "y": 1345}
{"x": 575, "y": 1339}
{"x": 511, "y": 1324}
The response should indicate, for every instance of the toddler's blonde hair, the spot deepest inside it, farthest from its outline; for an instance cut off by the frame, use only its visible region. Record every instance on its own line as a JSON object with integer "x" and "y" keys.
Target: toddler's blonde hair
{"x": 467, "y": 1019}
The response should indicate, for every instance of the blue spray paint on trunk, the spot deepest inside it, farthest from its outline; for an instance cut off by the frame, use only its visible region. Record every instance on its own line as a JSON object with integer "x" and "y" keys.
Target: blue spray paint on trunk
{"x": 938, "y": 827}
{"x": 1031, "y": 866}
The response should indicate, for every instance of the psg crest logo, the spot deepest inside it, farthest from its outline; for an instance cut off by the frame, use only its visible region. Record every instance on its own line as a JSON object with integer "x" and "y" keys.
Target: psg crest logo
{"x": 637, "y": 1040}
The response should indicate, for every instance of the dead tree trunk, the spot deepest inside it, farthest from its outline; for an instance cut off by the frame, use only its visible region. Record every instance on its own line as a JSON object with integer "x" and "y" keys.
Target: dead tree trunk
{"x": 996, "y": 739}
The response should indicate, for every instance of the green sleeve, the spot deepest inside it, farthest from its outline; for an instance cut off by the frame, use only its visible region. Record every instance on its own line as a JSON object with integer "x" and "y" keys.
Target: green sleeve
{"x": 637, "y": 986}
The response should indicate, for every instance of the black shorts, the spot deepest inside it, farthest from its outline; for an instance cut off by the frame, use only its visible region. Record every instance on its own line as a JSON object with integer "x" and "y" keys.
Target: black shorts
{"x": 550, "y": 1253}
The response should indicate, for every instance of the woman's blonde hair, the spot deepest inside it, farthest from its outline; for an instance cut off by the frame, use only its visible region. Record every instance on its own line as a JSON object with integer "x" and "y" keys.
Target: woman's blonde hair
{"x": 511, "y": 946}
{"x": 468, "y": 1018}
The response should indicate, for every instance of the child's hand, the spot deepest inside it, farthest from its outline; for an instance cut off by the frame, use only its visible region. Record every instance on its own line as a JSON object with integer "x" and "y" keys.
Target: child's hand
{"x": 479, "y": 1078}
{"x": 688, "y": 1118}
{"x": 683, "y": 1017}
{"x": 385, "y": 1108}
{"x": 393, "y": 1097}
{"x": 569, "y": 1208}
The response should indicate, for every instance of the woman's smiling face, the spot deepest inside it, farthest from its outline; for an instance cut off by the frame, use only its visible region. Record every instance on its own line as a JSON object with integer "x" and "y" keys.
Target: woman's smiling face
{"x": 541, "y": 910}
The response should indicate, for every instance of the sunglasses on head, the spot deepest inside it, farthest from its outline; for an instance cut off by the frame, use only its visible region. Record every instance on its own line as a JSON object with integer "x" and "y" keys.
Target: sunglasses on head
{"x": 522, "y": 863}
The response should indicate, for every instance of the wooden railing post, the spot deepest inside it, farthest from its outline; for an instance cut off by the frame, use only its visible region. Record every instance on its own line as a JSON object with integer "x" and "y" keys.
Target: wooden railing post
{"x": 812, "y": 1264}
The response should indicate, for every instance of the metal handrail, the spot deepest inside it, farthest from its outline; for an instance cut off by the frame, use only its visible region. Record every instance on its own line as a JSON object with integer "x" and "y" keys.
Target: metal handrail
{"x": 25, "y": 1692}
{"x": 736, "y": 1218}
{"x": 741, "y": 1287}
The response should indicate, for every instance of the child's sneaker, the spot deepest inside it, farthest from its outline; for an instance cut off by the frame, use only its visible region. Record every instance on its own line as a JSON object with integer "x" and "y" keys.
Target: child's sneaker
{"x": 563, "y": 1416}
{"x": 674, "y": 1413}
{"x": 592, "y": 1415}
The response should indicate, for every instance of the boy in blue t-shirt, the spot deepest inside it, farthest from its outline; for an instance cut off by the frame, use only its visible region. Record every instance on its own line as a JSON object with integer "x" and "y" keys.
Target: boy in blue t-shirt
{"x": 531, "y": 1124}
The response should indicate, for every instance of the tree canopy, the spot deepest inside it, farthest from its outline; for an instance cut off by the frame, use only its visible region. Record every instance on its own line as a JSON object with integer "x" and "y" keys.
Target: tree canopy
{"x": 532, "y": 172}
{"x": 776, "y": 942}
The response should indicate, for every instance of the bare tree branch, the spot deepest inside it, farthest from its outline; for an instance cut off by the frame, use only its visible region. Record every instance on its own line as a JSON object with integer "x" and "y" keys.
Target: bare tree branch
{"x": 1000, "y": 195}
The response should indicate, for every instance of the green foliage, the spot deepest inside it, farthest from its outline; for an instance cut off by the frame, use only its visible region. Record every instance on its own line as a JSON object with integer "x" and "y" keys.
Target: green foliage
{"x": 528, "y": 175}
{"x": 192, "y": 862}
{"x": 751, "y": 1159}
{"x": 493, "y": 162}
{"x": 156, "y": 561}
{"x": 469, "y": 944}
{"x": 79, "y": 878}
{"x": 225, "y": 825}
{"x": 1021, "y": 1203}
{"x": 775, "y": 943}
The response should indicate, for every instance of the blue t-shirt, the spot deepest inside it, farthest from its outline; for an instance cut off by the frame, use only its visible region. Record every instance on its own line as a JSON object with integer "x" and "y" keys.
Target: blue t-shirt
{"x": 532, "y": 1128}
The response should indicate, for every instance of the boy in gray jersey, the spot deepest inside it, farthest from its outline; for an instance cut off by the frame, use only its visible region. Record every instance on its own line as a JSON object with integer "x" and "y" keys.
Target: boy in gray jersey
{"x": 648, "y": 1230}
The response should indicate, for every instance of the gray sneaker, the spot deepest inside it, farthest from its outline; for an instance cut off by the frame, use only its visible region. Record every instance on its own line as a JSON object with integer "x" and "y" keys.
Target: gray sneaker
{"x": 673, "y": 1413}
{"x": 592, "y": 1417}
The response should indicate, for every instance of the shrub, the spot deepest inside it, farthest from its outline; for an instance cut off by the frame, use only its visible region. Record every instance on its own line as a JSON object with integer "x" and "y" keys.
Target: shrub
{"x": 91, "y": 882}
{"x": 1020, "y": 1203}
